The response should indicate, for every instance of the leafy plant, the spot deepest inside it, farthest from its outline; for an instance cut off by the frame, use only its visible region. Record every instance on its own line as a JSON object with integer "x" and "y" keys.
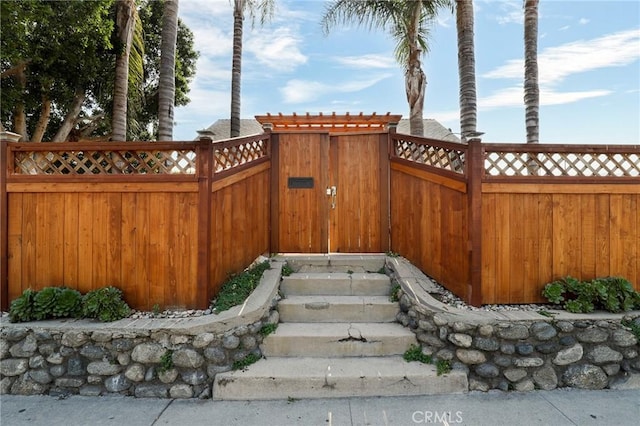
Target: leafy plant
{"x": 392, "y": 254}
{"x": 245, "y": 362}
{"x": 267, "y": 329}
{"x": 287, "y": 270}
{"x": 68, "y": 303}
{"x": 166, "y": 361}
{"x": 414, "y": 353}
{"x": 613, "y": 294}
{"x": 44, "y": 301}
{"x": 394, "y": 296}
{"x": 238, "y": 287}
{"x": 635, "y": 328}
{"x": 382, "y": 271}
{"x": 105, "y": 304}
{"x": 21, "y": 309}
{"x": 156, "y": 309}
{"x": 443, "y": 367}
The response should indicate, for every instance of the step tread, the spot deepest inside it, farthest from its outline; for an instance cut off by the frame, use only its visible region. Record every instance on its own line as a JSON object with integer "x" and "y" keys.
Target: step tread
{"x": 337, "y": 300}
{"x": 341, "y": 330}
{"x": 322, "y": 377}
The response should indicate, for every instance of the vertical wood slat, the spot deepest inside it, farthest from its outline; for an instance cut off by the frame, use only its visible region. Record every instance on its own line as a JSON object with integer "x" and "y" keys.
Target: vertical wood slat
{"x": 4, "y": 227}
{"x": 15, "y": 246}
{"x": 205, "y": 176}
{"x": 474, "y": 212}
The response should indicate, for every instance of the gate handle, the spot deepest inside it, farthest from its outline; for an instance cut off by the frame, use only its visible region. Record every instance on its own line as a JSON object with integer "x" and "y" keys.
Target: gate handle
{"x": 331, "y": 192}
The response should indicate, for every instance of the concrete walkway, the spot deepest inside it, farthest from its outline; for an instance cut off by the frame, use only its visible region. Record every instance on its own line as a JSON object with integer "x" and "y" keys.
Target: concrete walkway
{"x": 558, "y": 407}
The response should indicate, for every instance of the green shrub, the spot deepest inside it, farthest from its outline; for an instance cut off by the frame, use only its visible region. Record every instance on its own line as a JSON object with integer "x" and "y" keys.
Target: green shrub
{"x": 443, "y": 367}
{"x": 245, "y": 362}
{"x": 166, "y": 361}
{"x": 21, "y": 309}
{"x": 613, "y": 294}
{"x": 267, "y": 329}
{"x": 44, "y": 301}
{"x": 394, "y": 296}
{"x": 105, "y": 304}
{"x": 414, "y": 353}
{"x": 286, "y": 270}
{"x": 68, "y": 304}
{"x": 238, "y": 287}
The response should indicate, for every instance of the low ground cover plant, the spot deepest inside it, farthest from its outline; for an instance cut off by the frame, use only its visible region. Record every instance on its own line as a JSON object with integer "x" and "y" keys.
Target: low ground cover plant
{"x": 613, "y": 294}
{"x": 238, "y": 287}
{"x": 104, "y": 304}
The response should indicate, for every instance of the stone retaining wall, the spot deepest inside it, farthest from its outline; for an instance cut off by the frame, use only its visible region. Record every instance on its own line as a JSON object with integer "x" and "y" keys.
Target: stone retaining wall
{"x": 130, "y": 357}
{"x": 519, "y": 350}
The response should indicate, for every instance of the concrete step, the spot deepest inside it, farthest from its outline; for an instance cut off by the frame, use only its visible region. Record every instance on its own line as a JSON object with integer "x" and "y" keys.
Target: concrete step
{"x": 336, "y": 284}
{"x": 336, "y": 262}
{"x": 337, "y": 340}
{"x": 280, "y": 378}
{"x": 337, "y": 309}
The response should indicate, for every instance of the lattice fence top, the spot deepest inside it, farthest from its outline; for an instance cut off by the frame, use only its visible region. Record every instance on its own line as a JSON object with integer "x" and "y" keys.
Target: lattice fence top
{"x": 332, "y": 122}
{"x": 442, "y": 155}
{"x": 104, "y": 161}
{"x": 574, "y": 164}
{"x": 234, "y": 153}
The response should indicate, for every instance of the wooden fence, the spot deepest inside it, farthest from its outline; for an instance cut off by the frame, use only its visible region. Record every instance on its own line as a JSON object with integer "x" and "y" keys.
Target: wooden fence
{"x": 146, "y": 217}
{"x": 495, "y": 222}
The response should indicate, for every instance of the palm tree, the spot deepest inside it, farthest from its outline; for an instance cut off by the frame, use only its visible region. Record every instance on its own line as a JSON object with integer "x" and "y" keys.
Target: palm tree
{"x": 265, "y": 9}
{"x": 408, "y": 23}
{"x": 466, "y": 68}
{"x": 531, "y": 90}
{"x": 167, "y": 84}
{"x": 125, "y": 15}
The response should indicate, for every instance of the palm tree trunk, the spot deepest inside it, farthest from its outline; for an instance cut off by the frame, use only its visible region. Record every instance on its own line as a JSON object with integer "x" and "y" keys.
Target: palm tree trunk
{"x": 415, "y": 79}
{"x": 236, "y": 68}
{"x": 125, "y": 10}
{"x": 167, "y": 84}
{"x": 531, "y": 89}
{"x": 466, "y": 68}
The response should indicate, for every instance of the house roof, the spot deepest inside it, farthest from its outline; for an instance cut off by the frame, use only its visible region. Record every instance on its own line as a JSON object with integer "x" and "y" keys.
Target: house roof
{"x": 221, "y": 129}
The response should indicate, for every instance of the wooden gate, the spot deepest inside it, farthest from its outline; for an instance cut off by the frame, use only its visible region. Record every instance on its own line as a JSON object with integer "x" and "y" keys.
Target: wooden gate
{"x": 330, "y": 186}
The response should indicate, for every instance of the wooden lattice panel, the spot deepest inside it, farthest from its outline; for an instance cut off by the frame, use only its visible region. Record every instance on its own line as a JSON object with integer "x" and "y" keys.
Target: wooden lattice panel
{"x": 230, "y": 154}
{"x": 93, "y": 162}
{"x": 431, "y": 155}
{"x": 577, "y": 164}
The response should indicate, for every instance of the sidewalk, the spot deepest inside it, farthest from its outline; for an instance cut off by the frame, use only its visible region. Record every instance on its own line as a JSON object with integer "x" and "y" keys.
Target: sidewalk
{"x": 558, "y": 407}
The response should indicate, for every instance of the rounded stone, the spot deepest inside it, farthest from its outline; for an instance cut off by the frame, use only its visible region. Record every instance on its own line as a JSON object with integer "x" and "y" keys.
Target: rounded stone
{"x": 568, "y": 340}
{"x": 486, "y": 344}
{"x": 543, "y": 331}
{"x": 95, "y": 380}
{"x": 47, "y": 349}
{"x": 515, "y": 374}
{"x": 15, "y": 333}
{"x": 611, "y": 369}
{"x": 40, "y": 376}
{"x": 135, "y": 372}
{"x": 248, "y": 342}
{"x": 487, "y": 370}
{"x": 69, "y": 382}
{"x": 55, "y": 358}
{"x": 603, "y": 354}
{"x": 440, "y": 320}
{"x": 241, "y": 331}
{"x": 37, "y": 361}
{"x": 102, "y": 368}
{"x": 485, "y": 330}
{"x": 4, "y": 349}
{"x": 89, "y": 390}
{"x": 547, "y": 348}
{"x": 623, "y": 338}
{"x": 13, "y": 366}
{"x": 444, "y": 354}
{"x": 508, "y": 349}
{"x": 193, "y": 377}
{"x": 25, "y": 348}
{"x": 181, "y": 391}
{"x": 565, "y": 326}
{"x": 168, "y": 376}
{"x": 462, "y": 327}
{"x": 545, "y": 378}
{"x": 502, "y": 361}
{"x": 212, "y": 370}
{"x": 528, "y": 362}
{"x": 430, "y": 339}
{"x": 513, "y": 331}
{"x": 117, "y": 383}
{"x": 124, "y": 358}
{"x": 203, "y": 340}
{"x": 74, "y": 339}
{"x": 57, "y": 370}
{"x": 92, "y": 352}
{"x": 179, "y": 339}
{"x": 122, "y": 345}
{"x": 470, "y": 356}
{"x": 101, "y": 336}
{"x": 230, "y": 341}
{"x": 460, "y": 340}
{"x": 443, "y": 332}
{"x": 569, "y": 355}
{"x": 525, "y": 386}
{"x": 24, "y": 386}
{"x": 187, "y": 358}
{"x": 426, "y": 325}
{"x": 75, "y": 366}
{"x": 5, "y": 385}
{"x": 593, "y": 335}
{"x": 524, "y": 348}
{"x": 146, "y": 353}
{"x": 585, "y": 376}
{"x": 151, "y": 391}
{"x": 215, "y": 354}
{"x": 477, "y": 385}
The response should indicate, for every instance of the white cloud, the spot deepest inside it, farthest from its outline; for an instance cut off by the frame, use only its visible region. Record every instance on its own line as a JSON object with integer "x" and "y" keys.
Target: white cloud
{"x": 557, "y": 63}
{"x": 511, "y": 12}
{"x": 514, "y": 97}
{"x": 369, "y": 61}
{"x": 565, "y": 28}
{"x": 298, "y": 91}
{"x": 279, "y": 51}
{"x": 584, "y": 21}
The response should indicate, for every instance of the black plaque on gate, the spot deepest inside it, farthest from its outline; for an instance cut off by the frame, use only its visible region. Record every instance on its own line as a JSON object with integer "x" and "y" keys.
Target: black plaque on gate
{"x": 300, "y": 182}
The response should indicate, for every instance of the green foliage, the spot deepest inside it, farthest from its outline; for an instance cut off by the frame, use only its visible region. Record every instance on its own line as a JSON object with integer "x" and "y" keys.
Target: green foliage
{"x": 68, "y": 303}
{"x": 414, "y": 353}
{"x": 245, "y": 362}
{"x": 238, "y": 287}
{"x": 635, "y": 327}
{"x": 166, "y": 361}
{"x": 392, "y": 254}
{"x": 394, "y": 296}
{"x": 21, "y": 309}
{"x": 443, "y": 367}
{"x": 44, "y": 301}
{"x": 382, "y": 271}
{"x": 287, "y": 270}
{"x": 156, "y": 309}
{"x": 613, "y": 294}
{"x": 267, "y": 329}
{"x": 105, "y": 304}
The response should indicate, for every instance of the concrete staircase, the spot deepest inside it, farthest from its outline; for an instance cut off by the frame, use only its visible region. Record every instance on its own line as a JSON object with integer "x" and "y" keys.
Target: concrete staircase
{"x": 337, "y": 338}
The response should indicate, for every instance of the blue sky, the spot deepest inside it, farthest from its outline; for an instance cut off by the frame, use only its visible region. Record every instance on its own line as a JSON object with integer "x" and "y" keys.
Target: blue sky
{"x": 588, "y": 54}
